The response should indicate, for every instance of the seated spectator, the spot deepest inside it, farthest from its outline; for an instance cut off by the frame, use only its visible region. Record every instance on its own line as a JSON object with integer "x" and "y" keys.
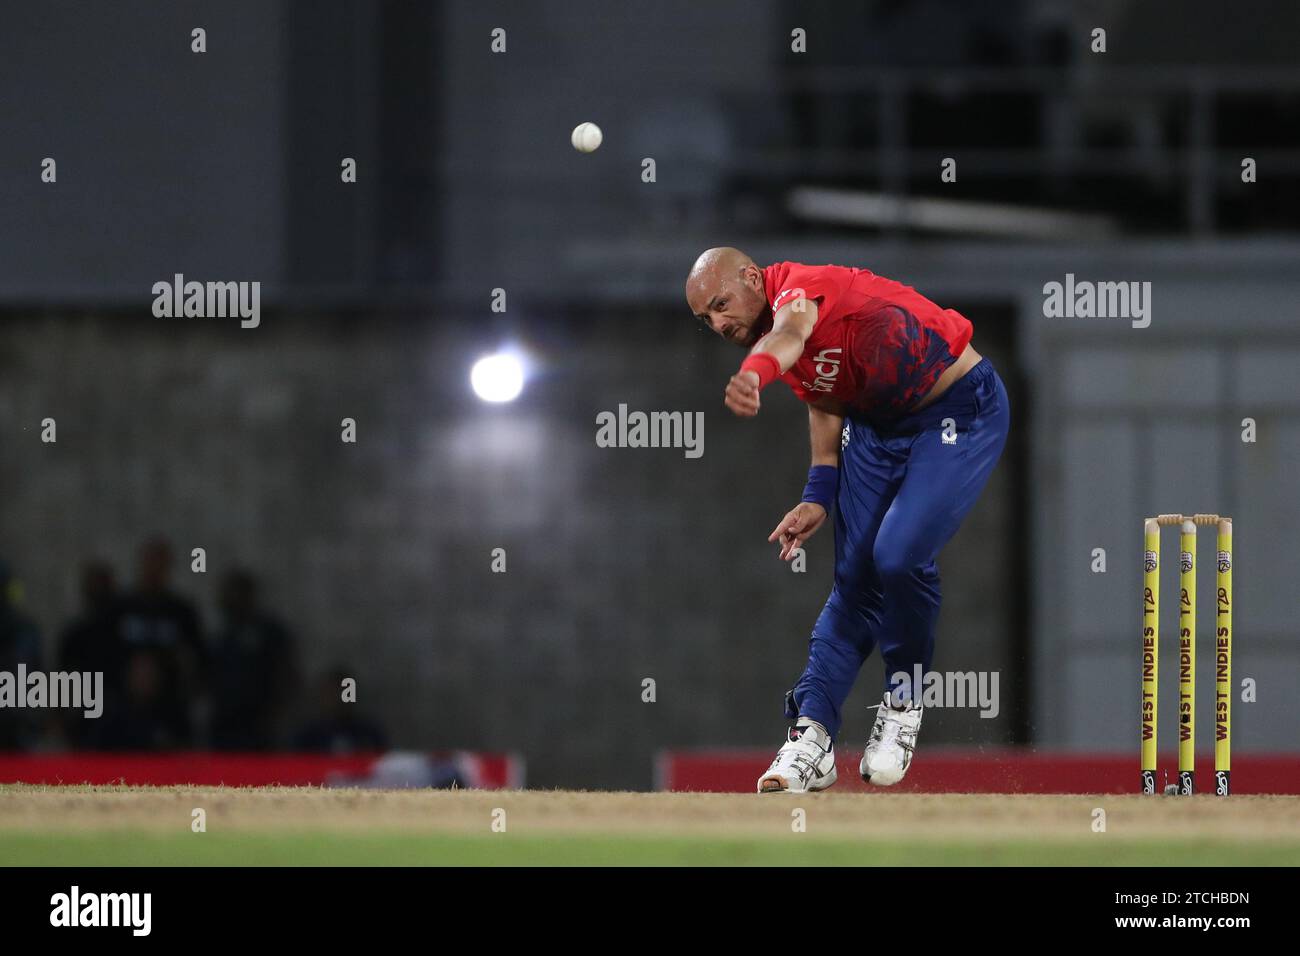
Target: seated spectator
{"x": 252, "y": 670}
{"x": 20, "y": 643}
{"x": 89, "y": 644}
{"x": 338, "y": 726}
{"x": 141, "y": 717}
{"x": 155, "y": 622}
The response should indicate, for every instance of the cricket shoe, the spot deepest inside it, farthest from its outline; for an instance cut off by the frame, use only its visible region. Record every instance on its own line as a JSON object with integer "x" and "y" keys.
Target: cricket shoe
{"x": 804, "y": 764}
{"x": 893, "y": 739}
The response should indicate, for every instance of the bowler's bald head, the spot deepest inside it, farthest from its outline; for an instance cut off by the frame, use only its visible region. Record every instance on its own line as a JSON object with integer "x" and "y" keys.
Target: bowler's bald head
{"x": 725, "y": 291}
{"x": 716, "y": 263}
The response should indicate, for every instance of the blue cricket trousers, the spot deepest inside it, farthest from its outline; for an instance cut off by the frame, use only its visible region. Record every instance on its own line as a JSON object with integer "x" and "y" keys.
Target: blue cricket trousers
{"x": 904, "y": 489}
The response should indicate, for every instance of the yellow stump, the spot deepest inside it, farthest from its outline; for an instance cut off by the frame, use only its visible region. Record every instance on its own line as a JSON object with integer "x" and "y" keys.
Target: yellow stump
{"x": 1150, "y": 653}
{"x": 1187, "y": 658}
{"x": 1223, "y": 661}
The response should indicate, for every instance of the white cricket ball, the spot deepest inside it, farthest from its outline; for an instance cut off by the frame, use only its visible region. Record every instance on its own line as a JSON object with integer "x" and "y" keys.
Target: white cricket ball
{"x": 586, "y": 137}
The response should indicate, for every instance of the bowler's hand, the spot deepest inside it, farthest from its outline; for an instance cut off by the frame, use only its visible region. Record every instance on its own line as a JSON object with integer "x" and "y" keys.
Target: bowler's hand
{"x": 797, "y": 527}
{"x": 742, "y": 394}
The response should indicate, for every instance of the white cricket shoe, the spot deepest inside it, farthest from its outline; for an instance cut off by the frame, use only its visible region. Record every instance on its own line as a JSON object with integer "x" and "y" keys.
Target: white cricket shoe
{"x": 804, "y": 764}
{"x": 893, "y": 739}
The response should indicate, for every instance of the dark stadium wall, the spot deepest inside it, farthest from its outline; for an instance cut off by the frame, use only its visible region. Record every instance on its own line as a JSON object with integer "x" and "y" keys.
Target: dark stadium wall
{"x": 622, "y": 563}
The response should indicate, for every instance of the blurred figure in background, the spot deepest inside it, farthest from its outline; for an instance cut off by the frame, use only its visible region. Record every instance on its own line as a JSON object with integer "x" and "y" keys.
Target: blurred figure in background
{"x": 338, "y": 727}
{"x": 141, "y": 716}
{"x": 20, "y": 643}
{"x": 155, "y": 623}
{"x": 253, "y": 669}
{"x": 89, "y": 642}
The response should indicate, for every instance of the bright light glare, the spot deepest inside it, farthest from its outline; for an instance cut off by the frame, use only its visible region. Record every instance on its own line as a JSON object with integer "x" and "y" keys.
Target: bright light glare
{"x": 497, "y": 378}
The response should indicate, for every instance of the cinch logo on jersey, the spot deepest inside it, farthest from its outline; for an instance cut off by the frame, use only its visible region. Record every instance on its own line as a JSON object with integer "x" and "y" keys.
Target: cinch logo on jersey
{"x": 827, "y": 366}
{"x": 103, "y": 909}
{"x": 58, "y": 689}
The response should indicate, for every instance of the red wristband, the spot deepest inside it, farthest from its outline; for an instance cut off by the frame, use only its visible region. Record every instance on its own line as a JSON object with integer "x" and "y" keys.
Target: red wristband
{"x": 765, "y": 364}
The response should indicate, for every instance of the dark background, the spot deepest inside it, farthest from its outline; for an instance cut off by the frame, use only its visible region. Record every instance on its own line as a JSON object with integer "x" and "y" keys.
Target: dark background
{"x": 625, "y": 564}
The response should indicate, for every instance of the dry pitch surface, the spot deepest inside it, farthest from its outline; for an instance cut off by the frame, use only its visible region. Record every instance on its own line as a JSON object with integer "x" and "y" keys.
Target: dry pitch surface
{"x": 123, "y": 825}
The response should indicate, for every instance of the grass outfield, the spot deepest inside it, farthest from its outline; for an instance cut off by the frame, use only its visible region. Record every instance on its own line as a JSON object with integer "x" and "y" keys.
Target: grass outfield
{"x": 94, "y": 826}
{"x": 390, "y": 849}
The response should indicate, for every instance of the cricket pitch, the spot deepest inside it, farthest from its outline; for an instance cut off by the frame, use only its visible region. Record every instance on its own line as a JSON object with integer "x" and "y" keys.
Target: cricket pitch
{"x": 72, "y": 825}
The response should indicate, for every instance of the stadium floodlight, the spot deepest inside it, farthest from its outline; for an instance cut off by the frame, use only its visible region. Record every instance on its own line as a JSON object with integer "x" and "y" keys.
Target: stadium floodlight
{"x": 498, "y": 378}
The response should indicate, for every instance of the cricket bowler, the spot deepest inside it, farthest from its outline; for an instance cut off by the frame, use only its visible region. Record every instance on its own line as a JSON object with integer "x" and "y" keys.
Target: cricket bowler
{"x": 906, "y": 422}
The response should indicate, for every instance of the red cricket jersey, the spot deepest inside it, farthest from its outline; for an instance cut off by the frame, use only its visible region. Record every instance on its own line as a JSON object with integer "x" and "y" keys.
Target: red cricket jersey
{"x": 878, "y": 346}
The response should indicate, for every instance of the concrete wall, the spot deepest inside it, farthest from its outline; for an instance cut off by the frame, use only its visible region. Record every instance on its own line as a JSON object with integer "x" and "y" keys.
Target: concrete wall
{"x": 622, "y": 564}
{"x": 168, "y": 161}
{"x": 516, "y": 194}
{"x": 1133, "y": 422}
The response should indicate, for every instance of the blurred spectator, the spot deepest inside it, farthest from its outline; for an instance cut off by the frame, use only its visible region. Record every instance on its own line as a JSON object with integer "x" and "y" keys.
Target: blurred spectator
{"x": 338, "y": 727}
{"x": 252, "y": 672}
{"x": 20, "y": 643}
{"x": 154, "y": 623}
{"x": 140, "y": 716}
{"x": 90, "y": 643}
